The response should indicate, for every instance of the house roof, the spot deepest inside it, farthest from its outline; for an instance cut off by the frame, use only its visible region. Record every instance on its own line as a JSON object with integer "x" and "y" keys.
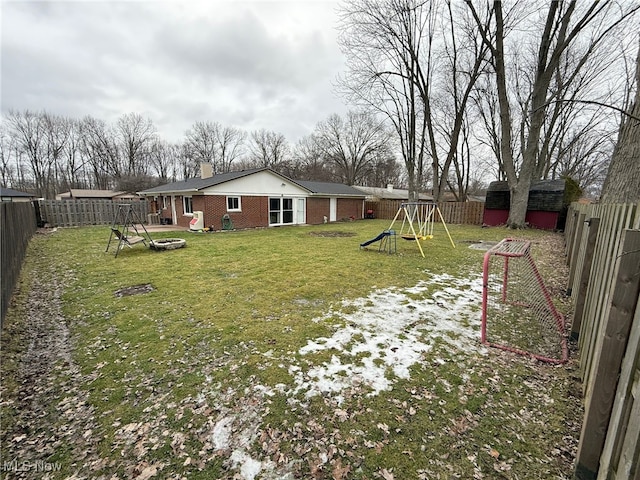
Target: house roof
{"x": 536, "y": 186}
{"x": 88, "y": 193}
{"x": 10, "y": 192}
{"x": 198, "y": 184}
{"x": 327, "y": 188}
{"x": 391, "y": 194}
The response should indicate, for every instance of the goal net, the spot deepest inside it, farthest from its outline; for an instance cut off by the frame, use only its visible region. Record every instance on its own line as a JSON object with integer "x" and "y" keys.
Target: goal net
{"x": 518, "y": 314}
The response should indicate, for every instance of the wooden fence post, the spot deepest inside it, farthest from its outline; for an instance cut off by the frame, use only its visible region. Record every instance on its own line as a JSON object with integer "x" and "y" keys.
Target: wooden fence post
{"x": 624, "y": 297}
{"x": 570, "y": 228}
{"x": 574, "y": 248}
{"x": 619, "y": 460}
{"x": 579, "y": 303}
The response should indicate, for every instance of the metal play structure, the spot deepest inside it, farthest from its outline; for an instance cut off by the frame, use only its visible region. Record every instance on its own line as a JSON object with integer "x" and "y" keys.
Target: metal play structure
{"x": 124, "y": 230}
{"x": 418, "y": 221}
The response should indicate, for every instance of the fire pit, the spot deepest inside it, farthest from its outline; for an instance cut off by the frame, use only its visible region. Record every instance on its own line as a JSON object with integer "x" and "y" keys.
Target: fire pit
{"x": 167, "y": 244}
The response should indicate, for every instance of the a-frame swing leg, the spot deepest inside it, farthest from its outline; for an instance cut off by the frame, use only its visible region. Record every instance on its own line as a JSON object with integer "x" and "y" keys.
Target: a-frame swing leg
{"x": 114, "y": 226}
{"x": 394, "y": 219}
{"x": 415, "y": 235}
{"x": 445, "y": 227}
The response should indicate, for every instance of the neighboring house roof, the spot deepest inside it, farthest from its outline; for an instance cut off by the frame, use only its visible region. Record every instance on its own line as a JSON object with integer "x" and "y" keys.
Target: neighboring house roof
{"x": 86, "y": 193}
{"x": 477, "y": 198}
{"x": 198, "y": 184}
{"x": 327, "y": 188}
{"x": 390, "y": 193}
{"x": 9, "y": 192}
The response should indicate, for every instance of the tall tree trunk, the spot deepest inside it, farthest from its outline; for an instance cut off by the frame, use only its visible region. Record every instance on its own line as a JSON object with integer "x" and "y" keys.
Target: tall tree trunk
{"x": 623, "y": 178}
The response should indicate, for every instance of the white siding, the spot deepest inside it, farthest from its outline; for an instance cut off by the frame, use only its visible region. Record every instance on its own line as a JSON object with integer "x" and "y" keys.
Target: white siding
{"x": 259, "y": 184}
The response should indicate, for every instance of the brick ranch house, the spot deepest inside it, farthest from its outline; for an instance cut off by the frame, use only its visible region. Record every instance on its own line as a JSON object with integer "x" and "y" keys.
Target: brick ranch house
{"x": 254, "y": 198}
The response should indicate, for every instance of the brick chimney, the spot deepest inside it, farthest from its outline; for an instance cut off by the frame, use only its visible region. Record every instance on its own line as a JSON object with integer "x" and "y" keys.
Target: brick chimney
{"x": 206, "y": 170}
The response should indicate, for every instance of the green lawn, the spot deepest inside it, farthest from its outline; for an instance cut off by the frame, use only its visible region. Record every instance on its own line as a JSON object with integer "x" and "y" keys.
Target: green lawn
{"x": 283, "y": 353}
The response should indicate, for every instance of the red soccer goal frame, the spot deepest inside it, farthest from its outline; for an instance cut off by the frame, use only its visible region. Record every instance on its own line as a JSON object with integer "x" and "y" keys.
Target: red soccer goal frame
{"x": 510, "y": 249}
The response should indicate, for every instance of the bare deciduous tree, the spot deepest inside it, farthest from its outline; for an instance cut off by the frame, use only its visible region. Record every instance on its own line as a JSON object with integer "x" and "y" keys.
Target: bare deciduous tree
{"x": 99, "y": 147}
{"x": 386, "y": 44}
{"x": 417, "y": 62}
{"x": 200, "y": 142}
{"x": 622, "y": 183}
{"x": 565, "y": 24}
{"x": 308, "y": 162}
{"x": 28, "y": 129}
{"x": 135, "y": 135}
{"x": 9, "y": 157}
{"x": 268, "y": 149}
{"x": 163, "y": 158}
{"x": 353, "y": 144}
{"x": 231, "y": 146}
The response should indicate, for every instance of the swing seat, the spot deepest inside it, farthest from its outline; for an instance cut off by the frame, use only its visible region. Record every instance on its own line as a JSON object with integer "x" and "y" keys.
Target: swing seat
{"x": 416, "y": 237}
{"x": 128, "y": 240}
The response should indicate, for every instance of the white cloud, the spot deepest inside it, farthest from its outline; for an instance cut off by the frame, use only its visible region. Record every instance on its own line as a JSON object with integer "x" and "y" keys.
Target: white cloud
{"x": 247, "y": 64}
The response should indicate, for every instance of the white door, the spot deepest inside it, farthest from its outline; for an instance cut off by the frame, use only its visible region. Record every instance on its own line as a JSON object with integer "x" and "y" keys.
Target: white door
{"x": 333, "y": 209}
{"x": 300, "y": 216}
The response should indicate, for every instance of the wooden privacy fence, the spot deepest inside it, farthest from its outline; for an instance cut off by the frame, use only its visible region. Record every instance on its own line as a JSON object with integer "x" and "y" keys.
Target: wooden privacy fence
{"x": 465, "y": 213}
{"x": 603, "y": 252}
{"x": 17, "y": 226}
{"x": 79, "y": 213}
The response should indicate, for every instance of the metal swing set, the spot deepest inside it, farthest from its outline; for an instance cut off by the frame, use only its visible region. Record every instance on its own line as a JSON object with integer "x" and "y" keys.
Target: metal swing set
{"x": 418, "y": 220}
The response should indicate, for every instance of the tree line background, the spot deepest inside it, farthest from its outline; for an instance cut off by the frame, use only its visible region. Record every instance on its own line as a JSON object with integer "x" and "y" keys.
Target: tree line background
{"x": 47, "y": 154}
{"x": 446, "y": 96}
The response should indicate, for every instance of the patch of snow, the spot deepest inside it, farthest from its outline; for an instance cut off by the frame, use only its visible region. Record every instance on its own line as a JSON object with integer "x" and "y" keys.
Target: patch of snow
{"x": 249, "y": 468}
{"x": 220, "y": 437}
{"x": 389, "y": 331}
{"x": 264, "y": 390}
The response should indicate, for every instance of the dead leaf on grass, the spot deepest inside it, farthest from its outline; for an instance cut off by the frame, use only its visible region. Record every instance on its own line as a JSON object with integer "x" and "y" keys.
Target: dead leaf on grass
{"x": 386, "y": 474}
{"x": 144, "y": 471}
{"x": 339, "y": 471}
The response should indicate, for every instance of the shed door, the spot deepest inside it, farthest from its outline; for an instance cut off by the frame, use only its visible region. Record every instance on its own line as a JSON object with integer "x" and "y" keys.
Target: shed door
{"x": 333, "y": 209}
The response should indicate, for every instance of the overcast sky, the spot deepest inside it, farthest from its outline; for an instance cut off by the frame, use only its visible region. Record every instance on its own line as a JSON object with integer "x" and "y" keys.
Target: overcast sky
{"x": 249, "y": 64}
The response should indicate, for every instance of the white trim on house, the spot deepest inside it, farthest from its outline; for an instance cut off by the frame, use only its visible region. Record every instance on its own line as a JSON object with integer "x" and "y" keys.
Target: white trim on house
{"x": 333, "y": 209}
{"x": 288, "y": 211}
{"x": 234, "y": 208}
{"x": 187, "y": 212}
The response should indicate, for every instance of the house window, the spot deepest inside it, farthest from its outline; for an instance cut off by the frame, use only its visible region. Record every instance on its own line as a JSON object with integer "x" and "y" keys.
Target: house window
{"x": 280, "y": 211}
{"x": 233, "y": 204}
{"x": 274, "y": 211}
{"x": 165, "y": 202}
{"x": 287, "y": 210}
{"x": 187, "y": 205}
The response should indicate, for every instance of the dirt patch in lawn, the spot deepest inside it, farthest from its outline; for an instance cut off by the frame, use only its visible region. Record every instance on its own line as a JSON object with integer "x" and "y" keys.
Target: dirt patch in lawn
{"x": 134, "y": 290}
{"x": 44, "y": 403}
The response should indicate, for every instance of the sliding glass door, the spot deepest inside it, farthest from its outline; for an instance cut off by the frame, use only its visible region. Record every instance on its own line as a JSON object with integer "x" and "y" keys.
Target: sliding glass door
{"x": 281, "y": 210}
